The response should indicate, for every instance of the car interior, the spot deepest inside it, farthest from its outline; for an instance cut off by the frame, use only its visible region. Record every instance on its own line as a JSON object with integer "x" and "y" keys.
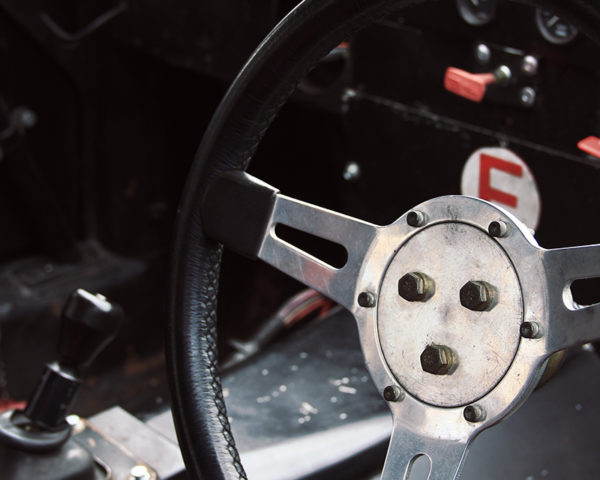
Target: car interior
{"x": 317, "y": 239}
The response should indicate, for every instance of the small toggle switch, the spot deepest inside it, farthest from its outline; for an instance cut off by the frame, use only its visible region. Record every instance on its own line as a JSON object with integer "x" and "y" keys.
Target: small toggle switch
{"x": 472, "y": 86}
{"x": 590, "y": 145}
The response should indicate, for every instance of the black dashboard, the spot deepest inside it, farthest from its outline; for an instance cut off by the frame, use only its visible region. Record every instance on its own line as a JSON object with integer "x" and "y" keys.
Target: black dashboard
{"x": 408, "y": 131}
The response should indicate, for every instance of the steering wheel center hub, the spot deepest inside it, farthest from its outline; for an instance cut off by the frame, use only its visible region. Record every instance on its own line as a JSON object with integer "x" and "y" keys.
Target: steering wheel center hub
{"x": 449, "y": 313}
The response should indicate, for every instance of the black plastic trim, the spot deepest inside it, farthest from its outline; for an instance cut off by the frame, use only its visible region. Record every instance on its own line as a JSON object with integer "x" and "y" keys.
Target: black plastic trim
{"x": 236, "y": 210}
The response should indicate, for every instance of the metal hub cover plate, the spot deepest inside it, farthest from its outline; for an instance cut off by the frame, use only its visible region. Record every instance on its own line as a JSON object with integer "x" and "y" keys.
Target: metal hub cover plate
{"x": 484, "y": 342}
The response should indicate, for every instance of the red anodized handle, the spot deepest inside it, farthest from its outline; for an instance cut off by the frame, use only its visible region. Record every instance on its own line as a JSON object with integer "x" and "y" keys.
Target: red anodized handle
{"x": 590, "y": 145}
{"x": 471, "y": 86}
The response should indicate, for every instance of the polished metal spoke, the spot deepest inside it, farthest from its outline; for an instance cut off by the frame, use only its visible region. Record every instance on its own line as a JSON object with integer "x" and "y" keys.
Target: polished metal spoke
{"x": 406, "y": 447}
{"x": 570, "y": 323}
{"x": 354, "y": 235}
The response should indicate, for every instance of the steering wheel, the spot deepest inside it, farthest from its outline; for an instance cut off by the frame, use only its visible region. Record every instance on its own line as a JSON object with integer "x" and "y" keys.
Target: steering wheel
{"x": 458, "y": 308}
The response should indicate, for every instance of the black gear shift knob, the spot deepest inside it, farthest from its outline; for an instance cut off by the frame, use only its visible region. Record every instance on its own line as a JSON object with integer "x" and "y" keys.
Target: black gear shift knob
{"x": 89, "y": 323}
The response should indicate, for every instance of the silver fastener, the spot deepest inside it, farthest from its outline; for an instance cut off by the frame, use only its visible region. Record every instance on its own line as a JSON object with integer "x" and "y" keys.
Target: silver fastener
{"x": 483, "y": 53}
{"x": 75, "y": 423}
{"x": 139, "y": 472}
{"x": 366, "y": 300}
{"x": 498, "y": 229}
{"x": 527, "y": 96}
{"x": 529, "y": 65}
{"x": 416, "y": 218}
{"x": 503, "y": 74}
{"x": 393, "y": 393}
{"x": 530, "y": 330}
{"x": 348, "y": 94}
{"x": 351, "y": 172}
{"x": 474, "y": 413}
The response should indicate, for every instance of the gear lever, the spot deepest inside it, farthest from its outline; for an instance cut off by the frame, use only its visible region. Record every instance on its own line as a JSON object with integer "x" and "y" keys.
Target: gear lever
{"x": 89, "y": 323}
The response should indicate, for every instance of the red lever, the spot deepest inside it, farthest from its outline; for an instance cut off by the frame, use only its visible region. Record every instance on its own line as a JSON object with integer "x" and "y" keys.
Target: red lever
{"x": 590, "y": 145}
{"x": 468, "y": 85}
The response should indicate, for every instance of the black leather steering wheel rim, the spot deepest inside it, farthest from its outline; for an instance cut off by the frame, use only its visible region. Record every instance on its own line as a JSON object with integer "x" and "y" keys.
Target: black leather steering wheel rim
{"x": 255, "y": 97}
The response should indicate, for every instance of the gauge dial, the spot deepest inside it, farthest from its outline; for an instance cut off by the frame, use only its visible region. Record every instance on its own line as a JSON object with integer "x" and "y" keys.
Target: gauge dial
{"x": 553, "y": 28}
{"x": 477, "y": 12}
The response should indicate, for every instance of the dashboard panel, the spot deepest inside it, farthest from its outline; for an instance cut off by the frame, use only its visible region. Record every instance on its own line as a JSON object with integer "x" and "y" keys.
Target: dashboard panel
{"x": 407, "y": 131}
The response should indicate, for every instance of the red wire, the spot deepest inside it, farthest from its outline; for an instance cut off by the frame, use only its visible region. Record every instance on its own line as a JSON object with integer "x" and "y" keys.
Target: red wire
{"x": 313, "y": 305}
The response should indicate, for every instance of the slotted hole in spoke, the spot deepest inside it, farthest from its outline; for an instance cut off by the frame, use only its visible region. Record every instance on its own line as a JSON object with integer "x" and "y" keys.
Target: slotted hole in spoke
{"x": 329, "y": 252}
{"x": 586, "y": 291}
{"x": 419, "y": 468}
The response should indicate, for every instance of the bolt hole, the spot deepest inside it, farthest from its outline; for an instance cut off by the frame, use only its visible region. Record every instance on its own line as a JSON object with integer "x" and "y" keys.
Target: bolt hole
{"x": 329, "y": 252}
{"x": 419, "y": 468}
{"x": 586, "y": 291}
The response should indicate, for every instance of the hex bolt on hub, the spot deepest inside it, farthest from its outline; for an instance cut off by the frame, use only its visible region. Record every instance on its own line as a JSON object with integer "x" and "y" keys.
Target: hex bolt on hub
{"x": 477, "y": 296}
{"x": 474, "y": 413}
{"x": 416, "y": 287}
{"x": 438, "y": 360}
{"x": 416, "y": 218}
{"x": 498, "y": 229}
{"x": 366, "y": 299}
{"x": 530, "y": 330}
{"x": 392, "y": 393}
